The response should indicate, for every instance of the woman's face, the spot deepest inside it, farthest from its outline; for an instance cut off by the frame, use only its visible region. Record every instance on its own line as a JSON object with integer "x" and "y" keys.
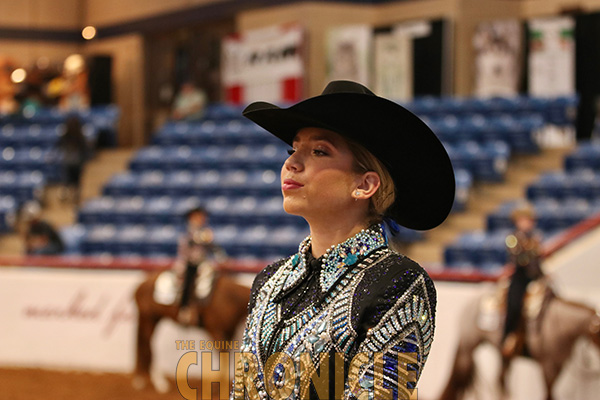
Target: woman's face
{"x": 525, "y": 223}
{"x": 317, "y": 179}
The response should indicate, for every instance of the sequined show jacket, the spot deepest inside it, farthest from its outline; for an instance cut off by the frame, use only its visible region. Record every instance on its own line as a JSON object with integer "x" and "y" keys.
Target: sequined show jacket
{"x": 357, "y": 321}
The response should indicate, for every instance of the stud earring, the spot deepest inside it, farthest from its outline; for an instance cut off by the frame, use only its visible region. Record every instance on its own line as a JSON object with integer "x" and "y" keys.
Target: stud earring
{"x": 357, "y": 193}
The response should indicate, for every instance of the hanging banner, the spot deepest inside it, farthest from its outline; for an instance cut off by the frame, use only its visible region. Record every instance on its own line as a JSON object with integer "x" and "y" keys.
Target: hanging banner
{"x": 551, "y": 57}
{"x": 393, "y": 66}
{"x": 348, "y": 53}
{"x": 265, "y": 64}
{"x": 497, "y": 58}
{"x": 394, "y": 59}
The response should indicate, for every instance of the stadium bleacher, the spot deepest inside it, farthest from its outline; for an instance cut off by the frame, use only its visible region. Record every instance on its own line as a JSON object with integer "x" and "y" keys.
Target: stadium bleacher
{"x": 561, "y": 199}
{"x": 231, "y": 166}
{"x": 29, "y": 159}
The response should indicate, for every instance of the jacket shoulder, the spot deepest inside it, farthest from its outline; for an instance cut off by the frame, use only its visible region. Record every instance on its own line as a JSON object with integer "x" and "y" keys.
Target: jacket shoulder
{"x": 389, "y": 281}
{"x": 262, "y": 277}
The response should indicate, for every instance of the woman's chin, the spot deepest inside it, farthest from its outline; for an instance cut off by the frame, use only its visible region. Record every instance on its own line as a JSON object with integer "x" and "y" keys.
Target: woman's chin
{"x": 292, "y": 207}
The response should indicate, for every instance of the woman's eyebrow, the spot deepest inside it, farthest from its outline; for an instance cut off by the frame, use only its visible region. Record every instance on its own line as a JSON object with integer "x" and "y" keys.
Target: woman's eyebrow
{"x": 315, "y": 139}
{"x": 322, "y": 139}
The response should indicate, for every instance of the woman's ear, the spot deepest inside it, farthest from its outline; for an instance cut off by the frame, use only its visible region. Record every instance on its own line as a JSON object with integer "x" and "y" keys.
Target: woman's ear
{"x": 368, "y": 184}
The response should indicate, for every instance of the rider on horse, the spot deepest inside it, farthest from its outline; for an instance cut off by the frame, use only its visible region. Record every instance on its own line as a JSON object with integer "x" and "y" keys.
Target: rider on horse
{"x": 524, "y": 251}
{"x": 196, "y": 250}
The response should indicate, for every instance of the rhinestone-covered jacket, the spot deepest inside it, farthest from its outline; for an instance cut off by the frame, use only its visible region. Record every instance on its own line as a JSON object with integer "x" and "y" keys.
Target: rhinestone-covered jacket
{"x": 378, "y": 315}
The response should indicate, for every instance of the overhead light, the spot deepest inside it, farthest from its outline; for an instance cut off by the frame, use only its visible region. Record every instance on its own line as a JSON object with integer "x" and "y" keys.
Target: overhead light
{"x": 18, "y": 75}
{"x": 89, "y": 32}
{"x": 74, "y": 64}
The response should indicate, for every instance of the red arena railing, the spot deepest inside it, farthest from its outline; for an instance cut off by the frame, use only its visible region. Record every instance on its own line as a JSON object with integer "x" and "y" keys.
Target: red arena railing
{"x": 237, "y": 266}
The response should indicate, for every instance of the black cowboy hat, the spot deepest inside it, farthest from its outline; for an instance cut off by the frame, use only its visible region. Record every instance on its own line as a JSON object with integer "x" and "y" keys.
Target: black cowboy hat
{"x": 415, "y": 158}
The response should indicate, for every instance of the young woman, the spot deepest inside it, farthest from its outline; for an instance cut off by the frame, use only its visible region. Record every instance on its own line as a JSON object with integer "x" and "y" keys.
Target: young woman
{"x": 346, "y": 316}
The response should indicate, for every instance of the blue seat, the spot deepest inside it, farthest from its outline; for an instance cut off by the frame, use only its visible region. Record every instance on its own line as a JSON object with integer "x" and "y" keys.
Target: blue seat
{"x": 8, "y": 212}
{"x": 222, "y": 111}
{"x": 23, "y": 186}
{"x": 97, "y": 210}
{"x": 522, "y": 133}
{"x": 425, "y": 106}
{"x": 271, "y": 212}
{"x": 408, "y": 235}
{"x": 226, "y": 235}
{"x": 283, "y": 241}
{"x": 99, "y": 239}
{"x": 151, "y": 183}
{"x": 183, "y": 205}
{"x": 549, "y": 185}
{"x": 148, "y": 158}
{"x": 448, "y": 128}
{"x": 205, "y": 157}
{"x": 178, "y": 183}
{"x": 161, "y": 241}
{"x": 158, "y": 211}
{"x": 586, "y": 156}
{"x": 472, "y": 128}
{"x": 130, "y": 240}
{"x": 129, "y": 210}
{"x": 464, "y": 181}
{"x": 561, "y": 110}
{"x": 207, "y": 183}
{"x": 463, "y": 252}
{"x": 123, "y": 184}
{"x": 72, "y": 237}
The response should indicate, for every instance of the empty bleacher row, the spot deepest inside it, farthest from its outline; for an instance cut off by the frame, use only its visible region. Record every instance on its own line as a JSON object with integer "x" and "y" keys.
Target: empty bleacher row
{"x": 100, "y": 117}
{"x": 231, "y": 167}
{"x": 29, "y": 158}
{"x": 561, "y": 199}
{"x": 559, "y": 111}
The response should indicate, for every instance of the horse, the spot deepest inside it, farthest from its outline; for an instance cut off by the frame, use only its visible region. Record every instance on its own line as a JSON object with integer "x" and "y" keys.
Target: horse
{"x": 220, "y": 315}
{"x": 552, "y": 323}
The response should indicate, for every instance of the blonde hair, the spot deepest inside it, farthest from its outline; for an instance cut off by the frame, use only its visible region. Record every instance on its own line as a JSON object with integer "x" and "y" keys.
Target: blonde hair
{"x": 384, "y": 197}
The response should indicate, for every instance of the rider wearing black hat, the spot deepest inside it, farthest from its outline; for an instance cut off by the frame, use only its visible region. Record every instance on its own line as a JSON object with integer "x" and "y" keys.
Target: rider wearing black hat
{"x": 196, "y": 249}
{"x": 356, "y": 160}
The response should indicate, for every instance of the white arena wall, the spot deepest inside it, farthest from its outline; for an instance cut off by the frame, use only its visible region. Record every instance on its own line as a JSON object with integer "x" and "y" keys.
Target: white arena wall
{"x": 85, "y": 319}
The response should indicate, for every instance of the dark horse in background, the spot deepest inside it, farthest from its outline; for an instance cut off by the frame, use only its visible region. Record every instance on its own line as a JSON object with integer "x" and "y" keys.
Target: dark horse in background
{"x": 552, "y": 325}
{"x": 220, "y": 315}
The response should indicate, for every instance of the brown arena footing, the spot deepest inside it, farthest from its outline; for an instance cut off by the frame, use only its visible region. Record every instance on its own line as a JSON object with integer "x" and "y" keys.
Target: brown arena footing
{"x": 41, "y": 384}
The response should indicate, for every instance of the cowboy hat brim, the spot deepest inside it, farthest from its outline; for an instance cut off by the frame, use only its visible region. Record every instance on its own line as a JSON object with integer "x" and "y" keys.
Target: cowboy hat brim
{"x": 415, "y": 158}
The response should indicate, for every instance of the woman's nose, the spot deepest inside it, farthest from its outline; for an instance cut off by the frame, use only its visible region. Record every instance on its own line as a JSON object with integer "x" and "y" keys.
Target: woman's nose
{"x": 293, "y": 162}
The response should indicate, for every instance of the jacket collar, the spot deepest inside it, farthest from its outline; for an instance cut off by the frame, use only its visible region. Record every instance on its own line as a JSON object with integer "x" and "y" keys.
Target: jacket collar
{"x": 334, "y": 263}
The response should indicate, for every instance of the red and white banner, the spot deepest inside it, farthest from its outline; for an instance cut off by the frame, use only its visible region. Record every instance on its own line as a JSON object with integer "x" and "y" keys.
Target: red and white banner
{"x": 265, "y": 64}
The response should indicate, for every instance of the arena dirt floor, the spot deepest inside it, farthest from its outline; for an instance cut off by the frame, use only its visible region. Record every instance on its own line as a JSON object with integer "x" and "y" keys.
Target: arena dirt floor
{"x": 38, "y": 384}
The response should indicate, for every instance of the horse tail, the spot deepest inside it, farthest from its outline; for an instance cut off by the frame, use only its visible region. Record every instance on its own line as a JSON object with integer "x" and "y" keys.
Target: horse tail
{"x": 462, "y": 375}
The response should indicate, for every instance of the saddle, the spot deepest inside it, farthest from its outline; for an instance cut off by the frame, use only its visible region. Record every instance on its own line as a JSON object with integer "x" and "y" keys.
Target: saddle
{"x": 492, "y": 307}
{"x": 168, "y": 288}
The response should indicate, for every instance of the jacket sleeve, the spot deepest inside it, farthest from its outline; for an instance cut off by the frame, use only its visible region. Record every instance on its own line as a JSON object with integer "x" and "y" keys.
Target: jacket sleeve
{"x": 394, "y": 336}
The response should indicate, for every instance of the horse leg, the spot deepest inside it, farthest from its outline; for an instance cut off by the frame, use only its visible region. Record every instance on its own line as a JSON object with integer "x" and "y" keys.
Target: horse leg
{"x": 551, "y": 372}
{"x": 146, "y": 325}
{"x": 462, "y": 373}
{"x": 502, "y": 378}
